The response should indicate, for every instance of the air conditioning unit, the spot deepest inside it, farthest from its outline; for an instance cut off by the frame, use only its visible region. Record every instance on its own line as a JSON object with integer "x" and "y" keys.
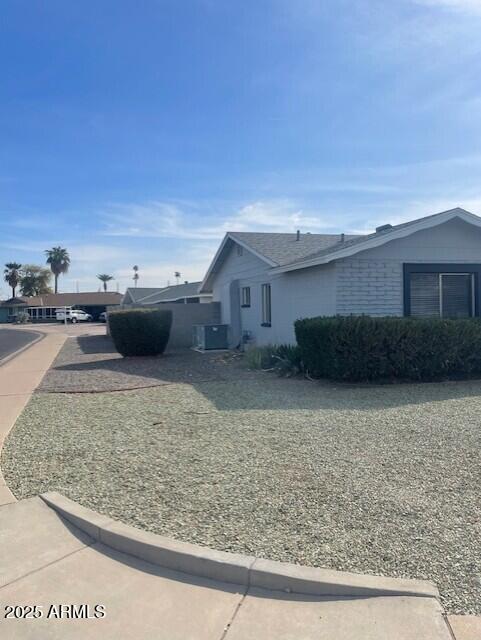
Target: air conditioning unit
{"x": 210, "y": 336}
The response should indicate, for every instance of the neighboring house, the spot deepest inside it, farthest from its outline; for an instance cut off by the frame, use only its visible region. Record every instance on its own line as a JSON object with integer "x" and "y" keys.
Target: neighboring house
{"x": 133, "y": 295}
{"x": 42, "y": 308}
{"x": 426, "y": 267}
{"x": 186, "y": 293}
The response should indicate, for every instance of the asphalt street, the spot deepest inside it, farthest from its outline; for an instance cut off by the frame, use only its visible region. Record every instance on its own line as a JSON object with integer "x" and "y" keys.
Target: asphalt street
{"x": 11, "y": 340}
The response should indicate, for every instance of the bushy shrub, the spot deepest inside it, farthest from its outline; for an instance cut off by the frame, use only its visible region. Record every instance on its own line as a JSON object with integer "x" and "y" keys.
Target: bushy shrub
{"x": 260, "y": 357}
{"x": 140, "y": 332}
{"x": 23, "y": 317}
{"x": 285, "y": 359}
{"x": 358, "y": 348}
{"x": 288, "y": 359}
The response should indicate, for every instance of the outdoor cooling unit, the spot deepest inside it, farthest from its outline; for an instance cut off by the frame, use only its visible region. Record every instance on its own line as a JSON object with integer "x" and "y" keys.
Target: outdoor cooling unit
{"x": 210, "y": 336}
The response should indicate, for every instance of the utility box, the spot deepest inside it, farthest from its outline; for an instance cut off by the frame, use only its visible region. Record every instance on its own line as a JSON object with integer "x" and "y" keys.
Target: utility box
{"x": 210, "y": 336}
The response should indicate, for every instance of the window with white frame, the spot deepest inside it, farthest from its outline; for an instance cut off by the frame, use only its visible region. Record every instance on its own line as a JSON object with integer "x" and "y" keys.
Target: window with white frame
{"x": 266, "y": 305}
{"x": 246, "y": 297}
{"x": 442, "y": 295}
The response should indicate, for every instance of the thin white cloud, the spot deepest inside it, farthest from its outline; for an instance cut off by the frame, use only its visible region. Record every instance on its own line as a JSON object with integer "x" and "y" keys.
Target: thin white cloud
{"x": 98, "y": 253}
{"x": 165, "y": 220}
{"x": 469, "y": 6}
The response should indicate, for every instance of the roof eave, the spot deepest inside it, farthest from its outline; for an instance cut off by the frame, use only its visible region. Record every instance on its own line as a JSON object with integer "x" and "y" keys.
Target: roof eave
{"x": 191, "y": 295}
{"x": 372, "y": 243}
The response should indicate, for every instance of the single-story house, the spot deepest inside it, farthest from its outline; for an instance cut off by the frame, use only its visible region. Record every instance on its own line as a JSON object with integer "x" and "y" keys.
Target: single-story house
{"x": 133, "y": 295}
{"x": 42, "y": 308}
{"x": 185, "y": 293}
{"x": 426, "y": 267}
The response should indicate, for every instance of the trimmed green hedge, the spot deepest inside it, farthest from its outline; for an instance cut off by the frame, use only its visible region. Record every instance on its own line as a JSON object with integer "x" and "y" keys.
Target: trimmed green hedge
{"x": 140, "y": 332}
{"x": 361, "y": 348}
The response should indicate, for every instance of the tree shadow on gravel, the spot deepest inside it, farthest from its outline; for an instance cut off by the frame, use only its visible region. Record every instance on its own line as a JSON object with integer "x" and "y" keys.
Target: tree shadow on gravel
{"x": 93, "y": 365}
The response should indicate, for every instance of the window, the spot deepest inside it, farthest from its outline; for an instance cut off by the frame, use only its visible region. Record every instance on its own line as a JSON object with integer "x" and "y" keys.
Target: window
{"x": 445, "y": 295}
{"x": 246, "y": 297}
{"x": 266, "y": 305}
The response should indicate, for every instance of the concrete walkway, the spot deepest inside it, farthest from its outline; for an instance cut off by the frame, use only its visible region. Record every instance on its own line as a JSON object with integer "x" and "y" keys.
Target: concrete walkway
{"x": 47, "y": 561}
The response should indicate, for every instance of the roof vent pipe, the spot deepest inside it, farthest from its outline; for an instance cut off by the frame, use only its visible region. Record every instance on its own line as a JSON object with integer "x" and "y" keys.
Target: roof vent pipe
{"x": 298, "y": 235}
{"x": 342, "y": 237}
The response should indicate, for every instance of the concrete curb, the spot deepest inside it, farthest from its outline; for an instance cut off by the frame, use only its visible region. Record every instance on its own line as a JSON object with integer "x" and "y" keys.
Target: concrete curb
{"x": 229, "y": 567}
{"x": 11, "y": 356}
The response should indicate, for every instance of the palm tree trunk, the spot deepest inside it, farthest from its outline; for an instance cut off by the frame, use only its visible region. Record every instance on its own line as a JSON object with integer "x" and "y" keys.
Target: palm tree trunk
{"x": 13, "y": 292}
{"x": 56, "y": 283}
{"x": 105, "y": 286}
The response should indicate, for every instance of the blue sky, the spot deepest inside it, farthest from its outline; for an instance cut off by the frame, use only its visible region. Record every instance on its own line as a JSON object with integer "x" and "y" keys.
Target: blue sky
{"x": 137, "y": 132}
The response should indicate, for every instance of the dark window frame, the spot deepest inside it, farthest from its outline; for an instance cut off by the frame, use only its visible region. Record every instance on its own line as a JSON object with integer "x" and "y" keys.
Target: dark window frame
{"x": 245, "y": 297}
{"x": 441, "y": 267}
{"x": 266, "y": 305}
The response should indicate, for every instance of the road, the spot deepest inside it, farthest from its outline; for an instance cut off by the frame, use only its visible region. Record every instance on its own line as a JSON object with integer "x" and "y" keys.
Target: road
{"x": 11, "y": 340}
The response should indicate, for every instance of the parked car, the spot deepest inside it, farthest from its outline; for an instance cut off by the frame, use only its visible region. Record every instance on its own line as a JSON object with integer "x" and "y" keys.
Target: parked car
{"x": 103, "y": 317}
{"x": 73, "y": 315}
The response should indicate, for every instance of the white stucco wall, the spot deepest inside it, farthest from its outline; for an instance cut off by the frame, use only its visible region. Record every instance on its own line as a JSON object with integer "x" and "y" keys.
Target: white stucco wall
{"x": 371, "y": 282}
{"x": 301, "y": 294}
{"x": 297, "y": 294}
{"x": 245, "y": 268}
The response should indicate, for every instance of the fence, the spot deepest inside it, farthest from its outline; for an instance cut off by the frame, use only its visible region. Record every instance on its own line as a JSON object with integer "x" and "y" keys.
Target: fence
{"x": 184, "y": 317}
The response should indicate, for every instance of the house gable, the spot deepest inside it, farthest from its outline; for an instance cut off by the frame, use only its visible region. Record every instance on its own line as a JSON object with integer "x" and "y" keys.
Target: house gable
{"x": 223, "y": 253}
{"x": 453, "y": 240}
{"x": 381, "y": 238}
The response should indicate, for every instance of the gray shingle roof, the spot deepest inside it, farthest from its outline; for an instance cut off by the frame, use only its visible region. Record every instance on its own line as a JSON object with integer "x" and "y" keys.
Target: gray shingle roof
{"x": 351, "y": 241}
{"x": 92, "y": 298}
{"x": 191, "y": 289}
{"x": 137, "y": 293}
{"x": 284, "y": 248}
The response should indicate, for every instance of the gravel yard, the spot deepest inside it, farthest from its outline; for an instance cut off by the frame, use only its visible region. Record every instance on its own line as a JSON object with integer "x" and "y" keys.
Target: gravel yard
{"x": 383, "y": 480}
{"x": 91, "y": 364}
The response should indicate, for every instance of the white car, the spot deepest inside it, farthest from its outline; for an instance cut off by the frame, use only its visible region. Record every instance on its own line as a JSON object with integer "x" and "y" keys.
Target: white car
{"x": 73, "y": 315}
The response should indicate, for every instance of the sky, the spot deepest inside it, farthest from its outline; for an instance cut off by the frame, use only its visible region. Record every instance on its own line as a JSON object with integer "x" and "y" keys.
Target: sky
{"x": 140, "y": 131}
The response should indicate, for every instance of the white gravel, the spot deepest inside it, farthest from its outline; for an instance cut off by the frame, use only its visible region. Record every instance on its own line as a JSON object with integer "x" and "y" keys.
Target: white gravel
{"x": 383, "y": 480}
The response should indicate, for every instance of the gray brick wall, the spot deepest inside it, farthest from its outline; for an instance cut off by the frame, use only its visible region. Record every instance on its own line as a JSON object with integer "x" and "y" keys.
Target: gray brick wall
{"x": 371, "y": 287}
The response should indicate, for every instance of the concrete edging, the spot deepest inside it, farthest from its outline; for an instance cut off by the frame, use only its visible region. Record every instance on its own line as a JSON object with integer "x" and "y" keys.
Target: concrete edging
{"x": 247, "y": 571}
{"x": 11, "y": 356}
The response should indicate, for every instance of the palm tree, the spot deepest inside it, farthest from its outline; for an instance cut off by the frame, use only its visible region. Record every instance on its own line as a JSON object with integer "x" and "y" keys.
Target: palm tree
{"x": 136, "y": 274}
{"x": 59, "y": 261}
{"x": 104, "y": 277}
{"x": 12, "y": 275}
